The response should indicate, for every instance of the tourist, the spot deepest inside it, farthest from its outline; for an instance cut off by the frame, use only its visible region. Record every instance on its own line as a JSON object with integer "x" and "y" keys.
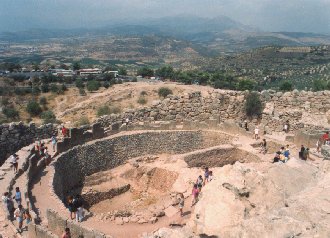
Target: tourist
{"x": 286, "y": 153}
{"x": 47, "y": 157}
{"x": 286, "y": 127}
{"x": 54, "y": 142}
{"x": 306, "y": 154}
{"x": 246, "y": 125}
{"x": 8, "y": 205}
{"x": 256, "y": 133}
{"x": 64, "y": 131}
{"x": 195, "y": 193}
{"x": 42, "y": 149}
{"x": 19, "y": 214}
{"x": 210, "y": 176}
{"x": 67, "y": 233}
{"x": 206, "y": 175}
{"x": 78, "y": 204}
{"x": 301, "y": 152}
{"x": 13, "y": 160}
{"x": 18, "y": 196}
{"x": 37, "y": 145}
{"x": 181, "y": 203}
{"x": 199, "y": 182}
{"x": 72, "y": 208}
{"x": 277, "y": 157}
{"x": 28, "y": 217}
{"x": 263, "y": 146}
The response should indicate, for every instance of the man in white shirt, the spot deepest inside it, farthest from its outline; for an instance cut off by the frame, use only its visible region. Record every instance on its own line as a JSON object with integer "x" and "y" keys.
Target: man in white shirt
{"x": 256, "y": 133}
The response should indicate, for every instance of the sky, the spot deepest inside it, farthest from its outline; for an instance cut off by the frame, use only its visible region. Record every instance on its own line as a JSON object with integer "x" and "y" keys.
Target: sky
{"x": 267, "y": 15}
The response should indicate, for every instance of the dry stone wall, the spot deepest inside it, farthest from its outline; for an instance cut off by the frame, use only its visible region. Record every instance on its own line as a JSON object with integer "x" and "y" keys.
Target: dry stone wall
{"x": 220, "y": 106}
{"x": 71, "y": 167}
{"x": 17, "y": 135}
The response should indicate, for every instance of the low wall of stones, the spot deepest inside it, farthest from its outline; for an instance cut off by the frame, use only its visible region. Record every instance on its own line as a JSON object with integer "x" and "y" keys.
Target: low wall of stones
{"x": 14, "y": 136}
{"x": 72, "y": 166}
{"x": 219, "y": 156}
{"x": 220, "y": 106}
{"x": 308, "y": 138}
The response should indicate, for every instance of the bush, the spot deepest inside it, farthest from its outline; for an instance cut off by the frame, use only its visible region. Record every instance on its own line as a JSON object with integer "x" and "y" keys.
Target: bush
{"x": 82, "y": 121}
{"x": 114, "y": 110}
{"x": 319, "y": 85}
{"x": 246, "y": 85}
{"x": 48, "y": 117}
{"x": 45, "y": 88}
{"x": 10, "y": 113}
{"x": 53, "y": 88}
{"x": 104, "y": 110}
{"x": 33, "y": 108}
{"x": 286, "y": 86}
{"x": 63, "y": 87}
{"x": 36, "y": 90}
{"x": 143, "y": 93}
{"x": 93, "y": 85}
{"x": 164, "y": 91}
{"x": 79, "y": 83}
{"x": 82, "y": 92}
{"x": 43, "y": 101}
{"x": 142, "y": 100}
{"x": 253, "y": 105}
{"x": 106, "y": 84}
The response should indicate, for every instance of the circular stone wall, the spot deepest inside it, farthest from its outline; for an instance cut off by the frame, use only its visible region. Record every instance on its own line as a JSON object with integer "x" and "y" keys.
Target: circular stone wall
{"x": 72, "y": 167}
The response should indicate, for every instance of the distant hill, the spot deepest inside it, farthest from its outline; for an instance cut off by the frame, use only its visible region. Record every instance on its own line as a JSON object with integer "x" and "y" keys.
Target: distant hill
{"x": 220, "y": 35}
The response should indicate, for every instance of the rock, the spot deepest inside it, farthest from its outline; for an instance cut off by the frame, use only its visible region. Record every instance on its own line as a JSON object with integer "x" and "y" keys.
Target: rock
{"x": 159, "y": 214}
{"x": 142, "y": 221}
{"x": 153, "y": 220}
{"x": 119, "y": 221}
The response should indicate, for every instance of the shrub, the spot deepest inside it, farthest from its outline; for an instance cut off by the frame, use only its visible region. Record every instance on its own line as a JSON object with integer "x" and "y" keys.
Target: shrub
{"x": 10, "y": 113}
{"x": 82, "y": 92}
{"x": 45, "y": 88}
{"x": 143, "y": 93}
{"x": 93, "y": 85}
{"x": 5, "y": 101}
{"x": 36, "y": 90}
{"x": 63, "y": 87}
{"x": 114, "y": 110}
{"x": 142, "y": 100}
{"x": 48, "y": 117}
{"x": 43, "y": 101}
{"x": 82, "y": 121}
{"x": 33, "y": 108}
{"x": 106, "y": 84}
{"x": 319, "y": 85}
{"x": 253, "y": 105}
{"x": 164, "y": 91}
{"x": 246, "y": 85}
{"x": 286, "y": 86}
{"x": 104, "y": 110}
{"x": 53, "y": 88}
{"x": 80, "y": 83}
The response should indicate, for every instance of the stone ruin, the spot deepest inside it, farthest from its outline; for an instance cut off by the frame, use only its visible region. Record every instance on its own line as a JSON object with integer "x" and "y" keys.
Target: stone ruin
{"x": 126, "y": 156}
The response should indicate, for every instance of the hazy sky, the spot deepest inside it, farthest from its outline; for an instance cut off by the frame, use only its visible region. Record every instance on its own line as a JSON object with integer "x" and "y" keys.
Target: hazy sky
{"x": 269, "y": 15}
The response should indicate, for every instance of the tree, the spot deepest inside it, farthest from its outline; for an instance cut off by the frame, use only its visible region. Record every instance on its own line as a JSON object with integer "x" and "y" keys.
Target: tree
{"x": 253, "y": 105}
{"x": 286, "y": 86}
{"x": 165, "y": 72}
{"x": 53, "y": 88}
{"x": 10, "y": 113}
{"x": 319, "y": 85}
{"x": 106, "y": 84}
{"x": 76, "y": 66}
{"x": 122, "y": 71}
{"x": 80, "y": 83}
{"x": 36, "y": 90}
{"x": 164, "y": 91}
{"x": 145, "y": 72}
{"x": 93, "y": 85}
{"x": 246, "y": 85}
{"x": 104, "y": 110}
{"x": 45, "y": 88}
{"x": 33, "y": 108}
{"x": 43, "y": 101}
{"x": 48, "y": 117}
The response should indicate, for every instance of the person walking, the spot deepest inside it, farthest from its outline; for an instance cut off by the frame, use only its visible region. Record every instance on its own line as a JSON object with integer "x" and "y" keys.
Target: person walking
{"x": 19, "y": 215}
{"x": 72, "y": 208}
{"x": 200, "y": 183}
{"x": 78, "y": 203}
{"x": 8, "y": 205}
{"x": 256, "y": 133}
{"x": 18, "y": 196}
{"x": 13, "y": 160}
{"x": 195, "y": 193}
{"x": 54, "y": 142}
{"x": 67, "y": 233}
